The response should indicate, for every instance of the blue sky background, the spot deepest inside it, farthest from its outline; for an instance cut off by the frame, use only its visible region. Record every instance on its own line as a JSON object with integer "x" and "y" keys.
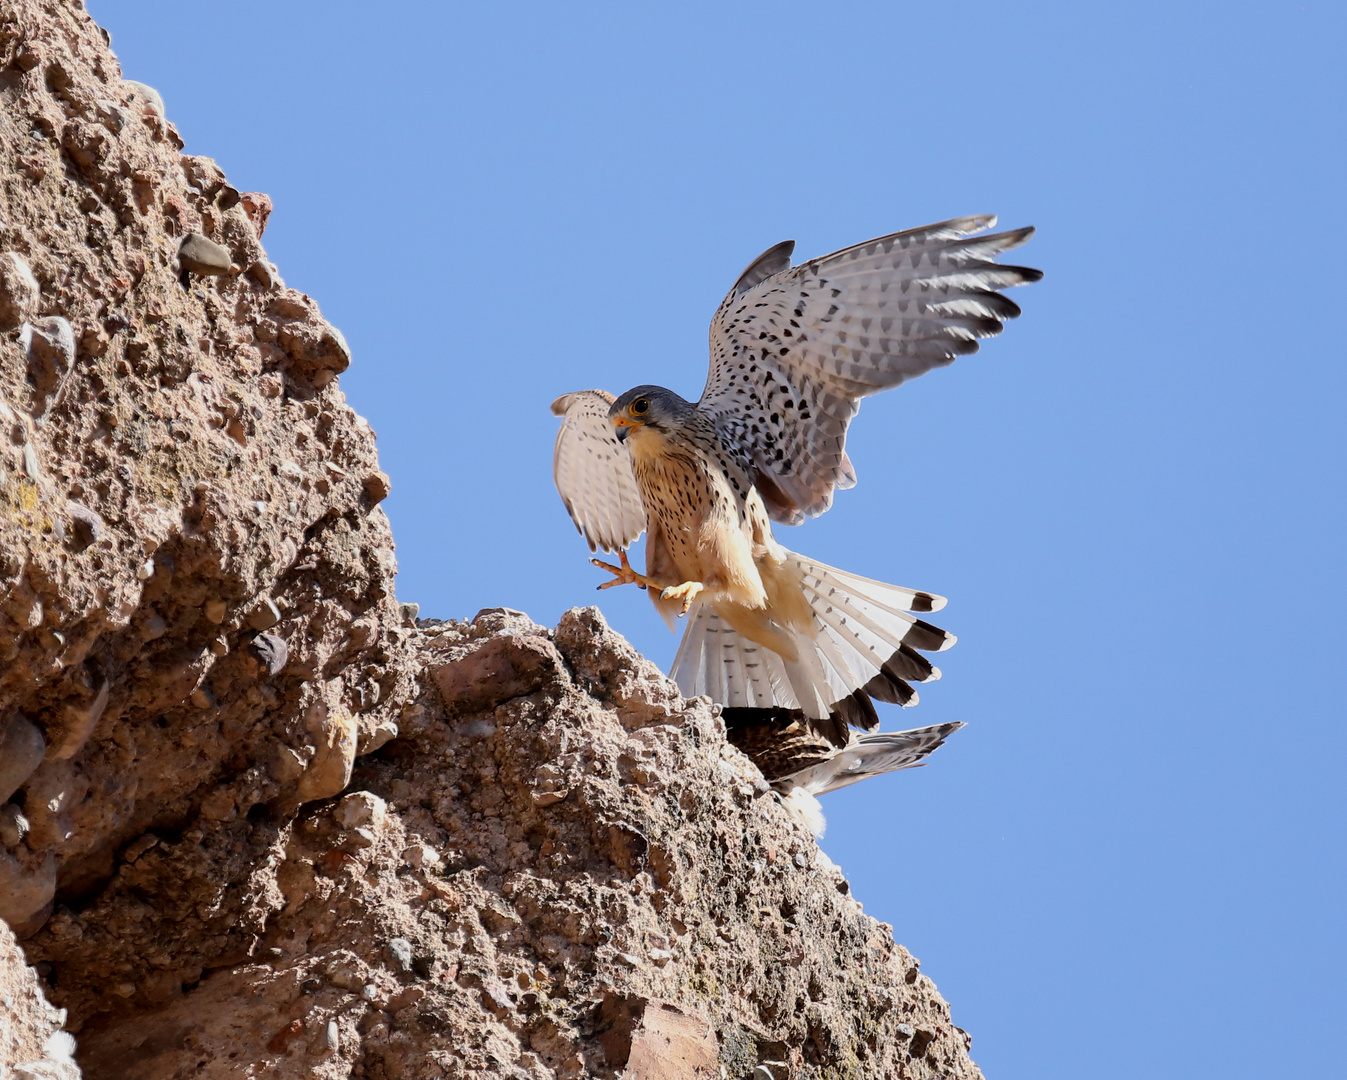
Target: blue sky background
{"x": 1131, "y": 862}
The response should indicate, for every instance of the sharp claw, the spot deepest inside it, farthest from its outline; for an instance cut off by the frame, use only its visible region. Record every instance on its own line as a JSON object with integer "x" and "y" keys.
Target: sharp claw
{"x": 622, "y": 575}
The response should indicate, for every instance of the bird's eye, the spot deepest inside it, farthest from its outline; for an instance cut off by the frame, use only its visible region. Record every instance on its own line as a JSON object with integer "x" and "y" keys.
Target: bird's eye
{"x": 640, "y": 407}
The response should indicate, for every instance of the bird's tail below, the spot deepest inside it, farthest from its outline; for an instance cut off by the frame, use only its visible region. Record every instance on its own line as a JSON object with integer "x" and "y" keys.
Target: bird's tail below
{"x": 870, "y": 755}
{"x": 866, "y": 756}
{"x": 865, "y": 642}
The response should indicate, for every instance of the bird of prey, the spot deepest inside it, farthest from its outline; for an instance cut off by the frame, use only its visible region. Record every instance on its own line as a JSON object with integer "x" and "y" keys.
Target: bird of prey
{"x": 792, "y": 650}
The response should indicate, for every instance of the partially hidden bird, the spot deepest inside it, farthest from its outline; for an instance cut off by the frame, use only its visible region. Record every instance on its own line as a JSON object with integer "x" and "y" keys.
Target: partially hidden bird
{"x": 794, "y": 651}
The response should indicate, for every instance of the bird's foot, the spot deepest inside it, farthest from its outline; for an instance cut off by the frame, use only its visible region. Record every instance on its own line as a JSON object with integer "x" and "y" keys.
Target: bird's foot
{"x": 687, "y": 592}
{"x": 622, "y": 575}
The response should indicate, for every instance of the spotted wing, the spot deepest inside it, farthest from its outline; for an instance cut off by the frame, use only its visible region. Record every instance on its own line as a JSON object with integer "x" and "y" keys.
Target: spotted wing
{"x": 794, "y": 349}
{"x": 593, "y": 473}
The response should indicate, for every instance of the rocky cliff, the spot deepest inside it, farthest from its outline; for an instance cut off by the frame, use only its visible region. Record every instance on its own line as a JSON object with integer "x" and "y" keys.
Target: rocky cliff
{"x": 254, "y": 818}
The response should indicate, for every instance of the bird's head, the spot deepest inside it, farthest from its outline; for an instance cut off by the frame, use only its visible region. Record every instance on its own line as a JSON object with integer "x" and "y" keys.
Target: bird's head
{"x": 647, "y": 410}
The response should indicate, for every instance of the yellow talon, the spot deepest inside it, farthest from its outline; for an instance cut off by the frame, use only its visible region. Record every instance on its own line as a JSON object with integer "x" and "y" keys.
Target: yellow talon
{"x": 622, "y": 575}
{"x": 687, "y": 592}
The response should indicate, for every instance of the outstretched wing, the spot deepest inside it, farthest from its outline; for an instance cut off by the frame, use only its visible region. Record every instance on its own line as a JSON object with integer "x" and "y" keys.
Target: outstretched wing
{"x": 593, "y": 473}
{"x": 794, "y": 349}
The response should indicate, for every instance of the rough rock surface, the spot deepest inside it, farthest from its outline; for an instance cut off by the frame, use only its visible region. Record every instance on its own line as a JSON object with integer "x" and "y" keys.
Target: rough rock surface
{"x": 253, "y": 821}
{"x": 28, "y": 1019}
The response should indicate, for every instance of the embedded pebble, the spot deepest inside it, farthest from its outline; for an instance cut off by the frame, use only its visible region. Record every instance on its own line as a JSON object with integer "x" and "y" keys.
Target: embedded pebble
{"x": 421, "y": 856}
{"x": 78, "y": 723}
{"x": 263, "y": 273}
{"x": 383, "y": 733}
{"x": 22, "y": 749}
{"x": 203, "y": 256}
{"x": 332, "y": 1036}
{"x": 19, "y": 291}
{"x": 150, "y": 98}
{"x": 266, "y": 616}
{"x": 112, "y": 115}
{"x": 25, "y": 889}
{"x": 87, "y": 525}
{"x": 360, "y": 808}
{"x": 215, "y": 610}
{"x": 377, "y": 487}
{"x": 400, "y": 949}
{"x": 13, "y": 825}
{"x": 50, "y": 342}
{"x": 334, "y": 753}
{"x": 271, "y": 651}
{"x": 257, "y": 205}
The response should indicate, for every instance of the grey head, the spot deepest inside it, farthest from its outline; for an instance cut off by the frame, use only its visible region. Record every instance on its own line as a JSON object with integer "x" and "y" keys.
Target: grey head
{"x": 649, "y": 406}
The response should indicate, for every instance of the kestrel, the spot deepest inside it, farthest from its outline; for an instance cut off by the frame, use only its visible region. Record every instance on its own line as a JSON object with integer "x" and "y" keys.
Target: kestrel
{"x": 792, "y": 649}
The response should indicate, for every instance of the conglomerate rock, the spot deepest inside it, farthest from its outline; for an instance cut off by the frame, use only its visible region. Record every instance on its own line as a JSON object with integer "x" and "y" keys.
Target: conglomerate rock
{"x": 255, "y": 822}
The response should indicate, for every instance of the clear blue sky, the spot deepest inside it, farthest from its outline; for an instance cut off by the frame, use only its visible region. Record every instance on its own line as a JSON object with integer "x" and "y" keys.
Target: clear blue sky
{"x": 1130, "y": 864}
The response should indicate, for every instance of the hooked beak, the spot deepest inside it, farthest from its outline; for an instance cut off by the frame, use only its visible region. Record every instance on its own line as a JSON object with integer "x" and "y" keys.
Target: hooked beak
{"x": 623, "y": 428}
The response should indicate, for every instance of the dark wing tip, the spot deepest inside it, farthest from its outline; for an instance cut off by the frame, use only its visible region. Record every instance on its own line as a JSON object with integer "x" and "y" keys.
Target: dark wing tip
{"x": 1028, "y": 275}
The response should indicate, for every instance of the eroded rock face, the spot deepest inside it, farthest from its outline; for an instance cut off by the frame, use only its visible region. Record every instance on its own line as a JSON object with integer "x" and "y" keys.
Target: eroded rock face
{"x": 184, "y": 494}
{"x": 527, "y": 879}
{"x": 27, "y": 1020}
{"x": 250, "y": 821}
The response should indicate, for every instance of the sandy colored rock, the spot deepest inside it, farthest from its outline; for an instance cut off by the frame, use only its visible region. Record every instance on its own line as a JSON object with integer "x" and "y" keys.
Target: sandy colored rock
{"x": 202, "y": 256}
{"x": 329, "y": 770}
{"x": 19, "y": 290}
{"x": 22, "y": 748}
{"x": 27, "y": 1019}
{"x": 140, "y": 520}
{"x": 280, "y": 827}
{"x": 27, "y": 886}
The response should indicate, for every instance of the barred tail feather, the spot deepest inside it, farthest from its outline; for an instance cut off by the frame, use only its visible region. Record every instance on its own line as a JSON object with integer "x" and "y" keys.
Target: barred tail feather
{"x": 864, "y": 644}
{"x": 714, "y": 660}
{"x": 869, "y": 634}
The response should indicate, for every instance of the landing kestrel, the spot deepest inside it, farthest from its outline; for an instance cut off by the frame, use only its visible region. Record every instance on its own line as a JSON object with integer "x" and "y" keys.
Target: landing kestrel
{"x": 792, "y": 649}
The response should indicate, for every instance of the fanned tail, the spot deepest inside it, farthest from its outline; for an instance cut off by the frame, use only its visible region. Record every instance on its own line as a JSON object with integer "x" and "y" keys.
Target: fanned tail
{"x": 866, "y": 643}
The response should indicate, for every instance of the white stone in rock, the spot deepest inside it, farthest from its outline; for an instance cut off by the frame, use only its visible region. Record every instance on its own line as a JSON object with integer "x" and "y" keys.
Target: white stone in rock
{"x": 421, "y": 856}
{"x": 360, "y": 808}
{"x": 150, "y": 98}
